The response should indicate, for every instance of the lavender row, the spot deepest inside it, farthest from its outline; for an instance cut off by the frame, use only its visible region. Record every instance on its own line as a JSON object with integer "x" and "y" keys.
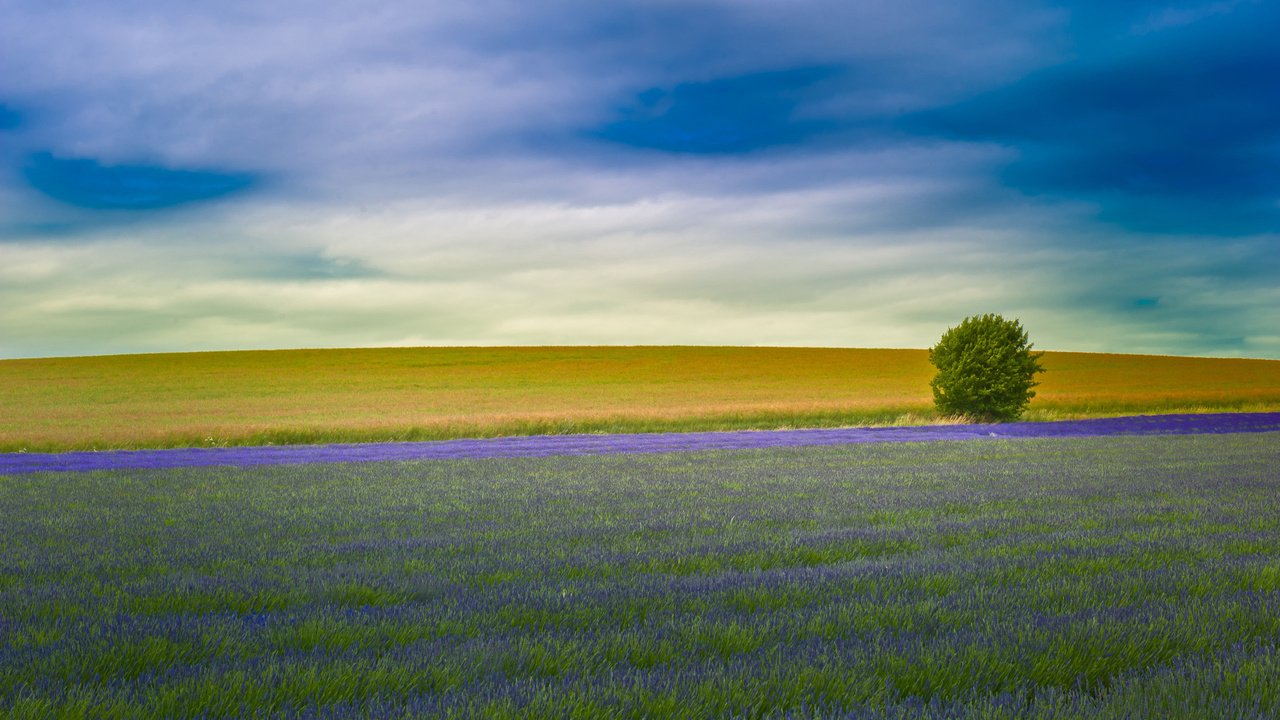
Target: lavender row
{"x": 552, "y": 445}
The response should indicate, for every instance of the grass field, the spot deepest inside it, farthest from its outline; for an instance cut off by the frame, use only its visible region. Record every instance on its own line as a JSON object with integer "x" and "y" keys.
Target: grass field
{"x": 1126, "y": 577}
{"x": 172, "y": 400}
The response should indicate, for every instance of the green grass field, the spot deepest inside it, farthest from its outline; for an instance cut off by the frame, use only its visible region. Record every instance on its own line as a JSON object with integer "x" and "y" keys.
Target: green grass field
{"x": 300, "y": 396}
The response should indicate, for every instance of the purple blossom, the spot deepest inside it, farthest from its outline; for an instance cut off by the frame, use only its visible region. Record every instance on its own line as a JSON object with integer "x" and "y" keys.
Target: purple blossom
{"x": 604, "y": 444}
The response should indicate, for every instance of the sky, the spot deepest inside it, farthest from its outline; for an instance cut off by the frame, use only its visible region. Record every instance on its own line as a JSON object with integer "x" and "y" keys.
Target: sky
{"x": 181, "y": 176}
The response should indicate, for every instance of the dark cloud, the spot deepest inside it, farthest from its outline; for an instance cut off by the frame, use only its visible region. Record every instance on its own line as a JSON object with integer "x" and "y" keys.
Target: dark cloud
{"x": 728, "y": 115}
{"x": 307, "y": 266}
{"x": 10, "y": 119}
{"x": 1174, "y": 133}
{"x": 89, "y": 184}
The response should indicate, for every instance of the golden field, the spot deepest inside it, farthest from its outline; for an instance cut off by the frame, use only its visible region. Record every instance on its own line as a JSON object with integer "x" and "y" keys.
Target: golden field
{"x": 289, "y": 396}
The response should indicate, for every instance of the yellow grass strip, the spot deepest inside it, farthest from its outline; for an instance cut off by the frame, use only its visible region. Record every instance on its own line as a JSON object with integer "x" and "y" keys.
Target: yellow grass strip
{"x": 184, "y": 399}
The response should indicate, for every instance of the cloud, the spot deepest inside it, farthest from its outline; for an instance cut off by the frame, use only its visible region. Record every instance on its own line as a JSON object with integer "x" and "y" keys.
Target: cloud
{"x": 10, "y": 119}
{"x": 726, "y": 115}
{"x": 87, "y": 183}
{"x": 1173, "y": 134}
{"x": 811, "y": 172}
{"x": 682, "y": 268}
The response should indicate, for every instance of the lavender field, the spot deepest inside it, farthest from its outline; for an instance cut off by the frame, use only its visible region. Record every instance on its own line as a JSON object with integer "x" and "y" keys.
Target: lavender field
{"x": 1052, "y": 577}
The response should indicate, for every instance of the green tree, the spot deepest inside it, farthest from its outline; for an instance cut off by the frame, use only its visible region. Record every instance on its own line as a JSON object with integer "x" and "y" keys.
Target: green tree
{"x": 986, "y": 369}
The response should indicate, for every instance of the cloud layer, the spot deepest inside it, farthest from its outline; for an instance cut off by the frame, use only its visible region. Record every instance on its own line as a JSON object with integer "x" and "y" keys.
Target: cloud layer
{"x": 728, "y": 171}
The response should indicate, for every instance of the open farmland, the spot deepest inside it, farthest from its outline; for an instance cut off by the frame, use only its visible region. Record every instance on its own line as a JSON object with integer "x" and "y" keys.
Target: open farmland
{"x": 1112, "y": 577}
{"x": 299, "y": 396}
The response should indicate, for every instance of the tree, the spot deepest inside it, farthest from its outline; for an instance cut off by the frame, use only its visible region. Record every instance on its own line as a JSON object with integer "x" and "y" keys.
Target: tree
{"x": 985, "y": 369}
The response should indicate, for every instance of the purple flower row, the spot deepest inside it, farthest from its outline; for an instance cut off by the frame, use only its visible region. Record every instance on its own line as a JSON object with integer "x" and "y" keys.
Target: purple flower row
{"x": 549, "y": 445}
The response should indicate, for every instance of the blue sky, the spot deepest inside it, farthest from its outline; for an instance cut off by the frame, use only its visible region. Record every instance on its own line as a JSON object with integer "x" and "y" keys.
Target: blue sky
{"x": 190, "y": 176}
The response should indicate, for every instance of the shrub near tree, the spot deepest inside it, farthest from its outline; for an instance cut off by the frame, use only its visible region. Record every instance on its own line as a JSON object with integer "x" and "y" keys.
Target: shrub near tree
{"x": 986, "y": 369}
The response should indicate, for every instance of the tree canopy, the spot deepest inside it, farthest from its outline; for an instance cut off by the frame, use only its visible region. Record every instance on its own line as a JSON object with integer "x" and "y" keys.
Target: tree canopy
{"x": 986, "y": 369}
